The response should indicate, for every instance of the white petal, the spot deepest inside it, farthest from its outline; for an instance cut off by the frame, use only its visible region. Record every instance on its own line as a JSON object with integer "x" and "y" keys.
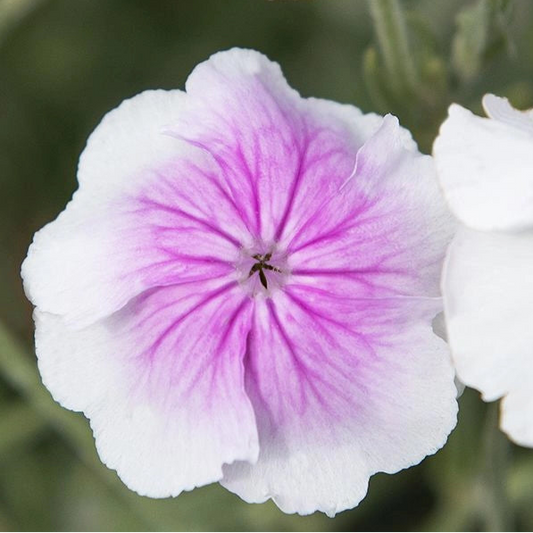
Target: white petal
{"x": 144, "y": 198}
{"x": 500, "y": 109}
{"x": 129, "y": 139}
{"x": 485, "y": 167}
{"x": 517, "y": 412}
{"x": 362, "y": 125}
{"x": 488, "y": 293}
{"x": 162, "y": 384}
{"x": 72, "y": 265}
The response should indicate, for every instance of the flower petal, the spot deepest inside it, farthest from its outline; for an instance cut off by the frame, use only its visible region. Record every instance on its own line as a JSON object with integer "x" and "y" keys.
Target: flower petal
{"x": 339, "y": 361}
{"x": 500, "y": 109}
{"x": 385, "y": 232}
{"x": 488, "y": 290}
{"x": 517, "y": 412}
{"x": 345, "y": 373}
{"x": 149, "y": 211}
{"x": 162, "y": 383}
{"x": 342, "y": 388}
{"x": 279, "y": 153}
{"x": 485, "y": 167}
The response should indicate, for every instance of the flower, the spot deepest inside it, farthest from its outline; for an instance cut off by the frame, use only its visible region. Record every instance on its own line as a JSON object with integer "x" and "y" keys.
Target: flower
{"x": 242, "y": 290}
{"x": 485, "y": 167}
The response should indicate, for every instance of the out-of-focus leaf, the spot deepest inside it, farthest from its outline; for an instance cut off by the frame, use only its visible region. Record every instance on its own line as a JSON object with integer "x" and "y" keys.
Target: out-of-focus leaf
{"x": 482, "y": 32}
{"x": 27, "y": 483}
{"x": 430, "y": 64}
{"x": 13, "y": 11}
{"x": 19, "y": 424}
{"x": 521, "y": 481}
{"x": 406, "y": 74}
{"x": 520, "y": 94}
{"x": 392, "y": 36}
{"x": 495, "y": 510}
{"x": 6, "y": 521}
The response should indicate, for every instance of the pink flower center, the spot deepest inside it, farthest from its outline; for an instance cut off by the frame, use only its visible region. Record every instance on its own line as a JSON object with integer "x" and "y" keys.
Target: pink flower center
{"x": 262, "y": 269}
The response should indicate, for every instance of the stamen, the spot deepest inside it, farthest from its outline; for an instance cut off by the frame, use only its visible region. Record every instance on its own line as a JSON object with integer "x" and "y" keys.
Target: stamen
{"x": 261, "y": 266}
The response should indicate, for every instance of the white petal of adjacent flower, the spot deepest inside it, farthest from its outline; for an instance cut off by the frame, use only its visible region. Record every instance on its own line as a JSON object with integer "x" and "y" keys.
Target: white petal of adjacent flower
{"x": 488, "y": 294}
{"x": 485, "y": 166}
{"x": 517, "y": 411}
{"x": 500, "y": 109}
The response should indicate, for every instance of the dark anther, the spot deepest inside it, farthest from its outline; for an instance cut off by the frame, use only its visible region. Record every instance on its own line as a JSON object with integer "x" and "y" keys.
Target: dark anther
{"x": 263, "y": 278}
{"x": 262, "y": 265}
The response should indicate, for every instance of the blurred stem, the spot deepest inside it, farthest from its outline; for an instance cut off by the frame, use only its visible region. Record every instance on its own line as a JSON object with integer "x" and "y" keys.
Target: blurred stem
{"x": 497, "y": 515}
{"x": 20, "y": 371}
{"x": 12, "y": 12}
{"x": 373, "y": 79}
{"x": 391, "y": 30}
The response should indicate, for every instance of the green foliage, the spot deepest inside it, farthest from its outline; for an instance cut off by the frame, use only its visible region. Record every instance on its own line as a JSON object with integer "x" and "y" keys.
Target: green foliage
{"x": 408, "y": 68}
{"x": 411, "y": 74}
{"x": 483, "y": 31}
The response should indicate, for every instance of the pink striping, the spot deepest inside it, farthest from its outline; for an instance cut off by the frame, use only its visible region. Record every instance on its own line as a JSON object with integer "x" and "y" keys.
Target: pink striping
{"x": 275, "y": 184}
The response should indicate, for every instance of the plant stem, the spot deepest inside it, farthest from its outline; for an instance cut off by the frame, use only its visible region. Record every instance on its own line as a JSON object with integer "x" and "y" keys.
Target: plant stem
{"x": 497, "y": 515}
{"x": 391, "y": 30}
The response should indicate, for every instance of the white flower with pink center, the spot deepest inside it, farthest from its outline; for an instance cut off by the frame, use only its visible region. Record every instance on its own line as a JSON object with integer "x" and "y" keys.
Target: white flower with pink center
{"x": 485, "y": 167}
{"x": 242, "y": 290}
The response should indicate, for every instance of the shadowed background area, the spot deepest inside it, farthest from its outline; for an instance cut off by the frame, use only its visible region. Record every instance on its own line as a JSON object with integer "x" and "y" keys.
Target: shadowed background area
{"x": 65, "y": 63}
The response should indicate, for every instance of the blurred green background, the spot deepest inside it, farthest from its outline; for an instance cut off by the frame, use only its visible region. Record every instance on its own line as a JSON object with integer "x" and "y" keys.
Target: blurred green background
{"x": 64, "y": 63}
